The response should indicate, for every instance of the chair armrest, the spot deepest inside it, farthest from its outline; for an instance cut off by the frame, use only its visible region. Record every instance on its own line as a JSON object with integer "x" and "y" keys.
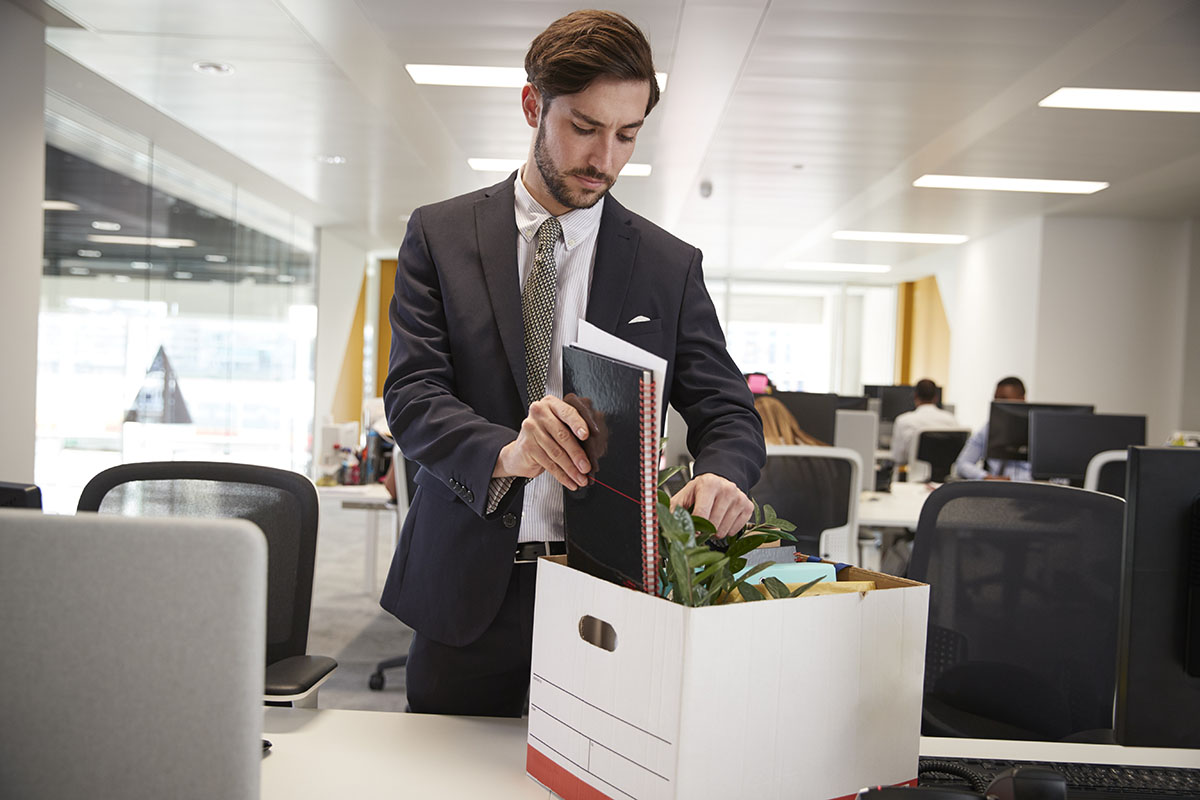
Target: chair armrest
{"x": 296, "y": 676}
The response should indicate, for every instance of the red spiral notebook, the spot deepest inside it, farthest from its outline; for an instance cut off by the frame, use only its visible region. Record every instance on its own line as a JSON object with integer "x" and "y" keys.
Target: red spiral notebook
{"x": 611, "y": 524}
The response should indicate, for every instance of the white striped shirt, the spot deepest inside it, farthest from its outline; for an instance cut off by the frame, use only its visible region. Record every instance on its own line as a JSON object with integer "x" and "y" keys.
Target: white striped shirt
{"x": 575, "y": 255}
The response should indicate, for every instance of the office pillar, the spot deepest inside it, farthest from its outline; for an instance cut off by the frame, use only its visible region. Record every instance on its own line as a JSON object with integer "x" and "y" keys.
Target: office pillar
{"x": 22, "y": 163}
{"x": 1190, "y": 414}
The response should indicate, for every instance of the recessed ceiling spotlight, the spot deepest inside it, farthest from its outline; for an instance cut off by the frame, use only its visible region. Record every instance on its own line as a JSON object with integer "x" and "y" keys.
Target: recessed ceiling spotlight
{"x": 101, "y": 225}
{"x": 902, "y": 238}
{"x": 88, "y": 253}
{"x": 255, "y": 270}
{"x": 1009, "y": 184}
{"x": 286, "y": 278}
{"x": 331, "y": 159}
{"x": 140, "y": 264}
{"x": 183, "y": 276}
{"x": 79, "y": 271}
{"x": 212, "y": 68}
{"x": 59, "y": 205}
{"x": 122, "y": 278}
{"x": 213, "y": 258}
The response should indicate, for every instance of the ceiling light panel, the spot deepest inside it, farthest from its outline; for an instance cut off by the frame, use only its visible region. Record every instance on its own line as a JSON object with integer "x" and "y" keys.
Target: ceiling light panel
{"x": 1123, "y": 100}
{"x": 465, "y": 75}
{"x": 993, "y": 184}
{"x": 902, "y": 238}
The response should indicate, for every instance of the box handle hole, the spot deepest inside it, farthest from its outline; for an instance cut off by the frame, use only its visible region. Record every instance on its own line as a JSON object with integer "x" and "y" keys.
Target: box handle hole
{"x": 597, "y": 632}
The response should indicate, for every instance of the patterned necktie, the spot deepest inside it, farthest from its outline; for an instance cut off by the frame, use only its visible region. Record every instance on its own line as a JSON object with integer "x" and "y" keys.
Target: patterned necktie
{"x": 537, "y": 307}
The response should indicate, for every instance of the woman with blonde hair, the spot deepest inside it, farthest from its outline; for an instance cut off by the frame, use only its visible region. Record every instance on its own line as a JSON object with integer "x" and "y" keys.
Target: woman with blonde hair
{"x": 779, "y": 426}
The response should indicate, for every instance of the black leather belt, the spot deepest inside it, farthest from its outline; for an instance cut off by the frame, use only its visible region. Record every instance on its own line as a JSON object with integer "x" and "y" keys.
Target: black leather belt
{"x": 528, "y": 552}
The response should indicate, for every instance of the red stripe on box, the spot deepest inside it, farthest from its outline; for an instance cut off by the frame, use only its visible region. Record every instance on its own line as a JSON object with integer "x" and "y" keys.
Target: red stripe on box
{"x": 558, "y": 780}
{"x": 911, "y": 783}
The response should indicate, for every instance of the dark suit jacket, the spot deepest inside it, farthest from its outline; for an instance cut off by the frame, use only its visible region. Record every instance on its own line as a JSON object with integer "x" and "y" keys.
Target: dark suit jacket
{"x": 455, "y": 391}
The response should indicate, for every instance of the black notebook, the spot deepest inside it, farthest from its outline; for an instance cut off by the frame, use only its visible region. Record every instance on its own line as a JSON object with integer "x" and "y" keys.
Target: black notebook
{"x": 612, "y": 524}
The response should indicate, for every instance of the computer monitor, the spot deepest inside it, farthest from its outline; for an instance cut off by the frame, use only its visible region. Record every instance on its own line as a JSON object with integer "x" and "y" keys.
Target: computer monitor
{"x": 1158, "y": 640}
{"x": 1008, "y": 427}
{"x": 816, "y": 413}
{"x": 20, "y": 495}
{"x": 1061, "y": 444}
{"x": 852, "y": 402}
{"x": 894, "y": 401}
{"x": 872, "y": 389}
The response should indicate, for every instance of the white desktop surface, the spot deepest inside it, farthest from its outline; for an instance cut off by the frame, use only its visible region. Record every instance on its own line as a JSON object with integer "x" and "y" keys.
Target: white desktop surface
{"x": 332, "y": 753}
{"x": 899, "y": 508}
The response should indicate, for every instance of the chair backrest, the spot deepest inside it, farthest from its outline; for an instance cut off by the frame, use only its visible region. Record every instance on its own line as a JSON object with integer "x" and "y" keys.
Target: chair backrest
{"x": 1106, "y": 472}
{"x": 1024, "y": 595}
{"x": 859, "y": 431}
{"x": 936, "y": 449}
{"x": 133, "y": 657}
{"x": 282, "y": 504}
{"x": 817, "y": 488}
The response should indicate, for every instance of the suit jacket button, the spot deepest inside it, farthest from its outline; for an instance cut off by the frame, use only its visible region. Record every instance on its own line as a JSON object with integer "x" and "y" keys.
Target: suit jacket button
{"x": 469, "y": 496}
{"x": 509, "y": 520}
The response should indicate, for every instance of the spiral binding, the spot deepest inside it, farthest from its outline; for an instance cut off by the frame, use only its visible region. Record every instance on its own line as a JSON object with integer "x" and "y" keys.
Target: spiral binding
{"x": 649, "y": 451}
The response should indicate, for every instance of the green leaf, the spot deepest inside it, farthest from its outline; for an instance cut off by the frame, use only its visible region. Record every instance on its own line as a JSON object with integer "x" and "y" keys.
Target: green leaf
{"x": 664, "y": 498}
{"x": 769, "y": 514}
{"x": 775, "y": 587}
{"x": 704, "y": 525}
{"x": 757, "y": 568}
{"x": 802, "y": 589}
{"x": 745, "y": 544}
{"x": 705, "y": 558}
{"x": 684, "y": 518}
{"x": 706, "y": 575}
{"x": 669, "y": 524}
{"x": 702, "y": 596}
{"x": 680, "y": 573}
{"x": 749, "y": 593}
{"x": 664, "y": 474}
{"x": 784, "y": 525}
{"x": 757, "y": 512}
{"x": 736, "y": 564}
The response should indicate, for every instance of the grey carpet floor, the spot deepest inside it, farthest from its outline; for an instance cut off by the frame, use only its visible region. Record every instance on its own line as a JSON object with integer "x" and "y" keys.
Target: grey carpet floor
{"x": 347, "y": 622}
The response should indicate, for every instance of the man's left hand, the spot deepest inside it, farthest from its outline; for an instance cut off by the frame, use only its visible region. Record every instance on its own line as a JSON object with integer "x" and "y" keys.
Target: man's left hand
{"x": 716, "y": 499}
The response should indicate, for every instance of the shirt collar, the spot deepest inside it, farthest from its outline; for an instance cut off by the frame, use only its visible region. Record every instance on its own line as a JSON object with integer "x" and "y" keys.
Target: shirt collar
{"x": 577, "y": 224}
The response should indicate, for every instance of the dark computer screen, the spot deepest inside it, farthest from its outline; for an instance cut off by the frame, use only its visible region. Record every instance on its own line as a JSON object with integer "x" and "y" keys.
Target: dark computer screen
{"x": 1158, "y": 641}
{"x": 1062, "y": 443}
{"x": 852, "y": 402}
{"x": 815, "y": 413}
{"x": 20, "y": 495}
{"x": 894, "y": 401}
{"x": 1008, "y": 427}
{"x": 872, "y": 390}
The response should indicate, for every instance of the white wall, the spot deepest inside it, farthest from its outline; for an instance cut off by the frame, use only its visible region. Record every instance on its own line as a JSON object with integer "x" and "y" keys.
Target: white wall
{"x": 989, "y": 289}
{"x": 22, "y": 163}
{"x": 340, "y": 268}
{"x": 1113, "y": 315}
{"x": 1190, "y": 405}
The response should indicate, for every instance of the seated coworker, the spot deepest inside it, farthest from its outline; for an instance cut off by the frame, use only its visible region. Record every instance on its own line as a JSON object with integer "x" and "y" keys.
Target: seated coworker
{"x": 1011, "y": 390}
{"x": 926, "y": 416}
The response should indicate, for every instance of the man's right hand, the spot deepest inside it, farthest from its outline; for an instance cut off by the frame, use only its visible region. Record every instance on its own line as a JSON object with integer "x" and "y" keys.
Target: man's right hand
{"x": 547, "y": 442}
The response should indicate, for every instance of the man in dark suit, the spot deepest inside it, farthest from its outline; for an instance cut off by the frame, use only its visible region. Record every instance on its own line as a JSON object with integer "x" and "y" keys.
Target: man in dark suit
{"x": 490, "y": 286}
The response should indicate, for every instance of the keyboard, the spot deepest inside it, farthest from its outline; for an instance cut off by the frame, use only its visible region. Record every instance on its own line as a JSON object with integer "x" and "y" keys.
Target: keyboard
{"x": 1084, "y": 781}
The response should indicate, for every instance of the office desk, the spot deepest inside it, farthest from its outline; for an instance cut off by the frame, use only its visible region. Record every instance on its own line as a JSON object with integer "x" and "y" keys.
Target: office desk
{"x": 899, "y": 508}
{"x": 375, "y": 500}
{"x": 331, "y": 753}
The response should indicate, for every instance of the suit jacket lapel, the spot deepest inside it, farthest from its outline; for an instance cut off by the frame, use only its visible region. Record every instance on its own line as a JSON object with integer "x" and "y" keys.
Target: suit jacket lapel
{"x": 496, "y": 229}
{"x": 616, "y": 246}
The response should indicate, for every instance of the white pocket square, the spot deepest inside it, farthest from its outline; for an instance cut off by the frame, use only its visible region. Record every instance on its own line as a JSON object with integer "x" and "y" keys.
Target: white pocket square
{"x": 638, "y": 318}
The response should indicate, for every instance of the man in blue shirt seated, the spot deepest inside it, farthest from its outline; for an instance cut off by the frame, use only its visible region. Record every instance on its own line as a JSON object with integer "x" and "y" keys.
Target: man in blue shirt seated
{"x": 1011, "y": 390}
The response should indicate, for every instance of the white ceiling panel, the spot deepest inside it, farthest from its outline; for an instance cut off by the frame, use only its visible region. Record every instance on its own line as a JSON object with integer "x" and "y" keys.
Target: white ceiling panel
{"x": 803, "y": 116}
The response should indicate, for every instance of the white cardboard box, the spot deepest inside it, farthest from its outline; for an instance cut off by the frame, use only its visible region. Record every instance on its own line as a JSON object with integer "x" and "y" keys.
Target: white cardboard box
{"x": 810, "y": 698}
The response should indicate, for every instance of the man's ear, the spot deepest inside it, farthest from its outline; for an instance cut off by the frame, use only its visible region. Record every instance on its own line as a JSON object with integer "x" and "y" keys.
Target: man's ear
{"x": 531, "y": 104}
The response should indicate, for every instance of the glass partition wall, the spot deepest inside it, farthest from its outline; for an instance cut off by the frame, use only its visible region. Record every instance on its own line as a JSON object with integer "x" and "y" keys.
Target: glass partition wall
{"x": 178, "y": 313}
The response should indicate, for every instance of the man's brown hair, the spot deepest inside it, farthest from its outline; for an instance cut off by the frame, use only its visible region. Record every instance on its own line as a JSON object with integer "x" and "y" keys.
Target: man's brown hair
{"x": 585, "y": 45}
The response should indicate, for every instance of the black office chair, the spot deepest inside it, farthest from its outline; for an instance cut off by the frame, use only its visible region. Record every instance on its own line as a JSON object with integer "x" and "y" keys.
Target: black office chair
{"x": 283, "y": 504}
{"x": 1106, "y": 472}
{"x": 1024, "y": 593}
{"x": 817, "y": 489}
{"x": 406, "y": 490}
{"x": 939, "y": 449}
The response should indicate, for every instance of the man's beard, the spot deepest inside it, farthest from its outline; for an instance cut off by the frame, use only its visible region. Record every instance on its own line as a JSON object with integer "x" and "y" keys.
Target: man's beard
{"x": 556, "y": 182}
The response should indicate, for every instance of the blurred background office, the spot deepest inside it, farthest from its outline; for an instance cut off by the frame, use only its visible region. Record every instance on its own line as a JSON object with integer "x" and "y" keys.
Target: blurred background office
{"x": 202, "y": 204}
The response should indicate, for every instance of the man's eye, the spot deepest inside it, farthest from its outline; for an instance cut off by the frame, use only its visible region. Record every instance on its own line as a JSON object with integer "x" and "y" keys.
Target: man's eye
{"x": 625, "y": 138}
{"x": 581, "y": 131}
